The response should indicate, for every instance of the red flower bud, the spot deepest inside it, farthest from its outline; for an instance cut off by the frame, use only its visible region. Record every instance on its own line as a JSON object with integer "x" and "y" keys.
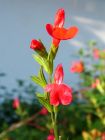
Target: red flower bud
{"x": 36, "y": 45}
{"x": 43, "y": 111}
{"x": 16, "y": 103}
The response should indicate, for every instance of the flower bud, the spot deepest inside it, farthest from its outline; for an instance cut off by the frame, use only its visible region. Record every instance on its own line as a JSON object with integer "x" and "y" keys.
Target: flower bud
{"x": 16, "y": 103}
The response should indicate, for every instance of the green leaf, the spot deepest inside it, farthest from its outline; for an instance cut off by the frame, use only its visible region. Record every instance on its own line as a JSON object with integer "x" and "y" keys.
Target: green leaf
{"x": 45, "y": 102}
{"x": 53, "y": 52}
{"x": 41, "y": 76}
{"x": 92, "y": 43}
{"x": 43, "y": 62}
{"x": 37, "y": 80}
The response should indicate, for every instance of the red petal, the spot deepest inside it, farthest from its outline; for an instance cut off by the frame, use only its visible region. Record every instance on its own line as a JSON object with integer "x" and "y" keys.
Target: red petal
{"x": 59, "y": 74}
{"x": 50, "y": 87}
{"x": 49, "y": 29}
{"x": 59, "y": 18}
{"x": 65, "y": 94}
{"x": 64, "y": 34}
{"x": 54, "y": 97}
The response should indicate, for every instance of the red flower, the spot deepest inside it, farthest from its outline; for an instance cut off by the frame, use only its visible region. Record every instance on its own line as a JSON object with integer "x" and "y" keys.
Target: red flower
{"x": 16, "y": 103}
{"x": 96, "y": 53}
{"x": 58, "y": 22}
{"x": 103, "y": 136}
{"x": 50, "y": 137}
{"x": 51, "y": 131}
{"x": 43, "y": 111}
{"x": 96, "y": 83}
{"x": 59, "y": 92}
{"x": 77, "y": 67}
{"x": 57, "y": 31}
{"x": 36, "y": 45}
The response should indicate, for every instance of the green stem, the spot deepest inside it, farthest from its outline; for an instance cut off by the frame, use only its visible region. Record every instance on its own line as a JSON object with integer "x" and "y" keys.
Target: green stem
{"x": 54, "y": 125}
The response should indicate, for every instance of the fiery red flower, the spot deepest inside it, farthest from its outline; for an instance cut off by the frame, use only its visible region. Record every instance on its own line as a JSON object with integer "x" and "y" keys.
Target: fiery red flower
{"x": 43, "y": 111}
{"x": 77, "y": 67}
{"x": 16, "y": 103}
{"x": 50, "y": 137}
{"x": 57, "y": 31}
{"x": 36, "y": 45}
{"x": 59, "y": 92}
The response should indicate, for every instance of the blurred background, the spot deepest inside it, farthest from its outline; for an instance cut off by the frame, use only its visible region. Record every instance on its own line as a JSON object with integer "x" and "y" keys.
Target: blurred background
{"x": 23, "y": 20}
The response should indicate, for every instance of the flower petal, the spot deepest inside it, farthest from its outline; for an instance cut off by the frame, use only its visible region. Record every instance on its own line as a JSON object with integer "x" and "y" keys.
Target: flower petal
{"x": 49, "y": 29}
{"x": 50, "y": 87}
{"x": 59, "y": 74}
{"x": 65, "y": 94}
{"x": 59, "y": 18}
{"x": 54, "y": 97}
{"x": 64, "y": 34}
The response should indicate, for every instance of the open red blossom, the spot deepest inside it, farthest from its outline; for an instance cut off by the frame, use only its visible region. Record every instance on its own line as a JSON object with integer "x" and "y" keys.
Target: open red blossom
{"x": 36, "y": 45}
{"x": 77, "y": 66}
{"x": 59, "y": 92}
{"x": 57, "y": 31}
{"x": 58, "y": 22}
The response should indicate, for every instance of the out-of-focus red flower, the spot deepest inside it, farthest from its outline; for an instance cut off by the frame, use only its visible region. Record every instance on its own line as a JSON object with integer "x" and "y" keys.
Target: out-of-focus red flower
{"x": 50, "y": 137}
{"x": 103, "y": 136}
{"x": 57, "y": 31}
{"x": 77, "y": 66}
{"x": 16, "y": 103}
{"x": 59, "y": 92}
{"x": 43, "y": 111}
{"x": 36, "y": 45}
{"x": 51, "y": 131}
{"x": 96, "y": 53}
{"x": 96, "y": 83}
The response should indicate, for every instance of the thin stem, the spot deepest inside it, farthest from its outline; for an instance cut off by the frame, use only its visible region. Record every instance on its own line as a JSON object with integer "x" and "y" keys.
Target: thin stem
{"x": 17, "y": 125}
{"x": 49, "y": 79}
{"x": 54, "y": 126}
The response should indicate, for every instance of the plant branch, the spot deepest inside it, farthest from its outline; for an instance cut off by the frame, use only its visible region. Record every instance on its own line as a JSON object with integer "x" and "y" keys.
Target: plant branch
{"x": 17, "y": 125}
